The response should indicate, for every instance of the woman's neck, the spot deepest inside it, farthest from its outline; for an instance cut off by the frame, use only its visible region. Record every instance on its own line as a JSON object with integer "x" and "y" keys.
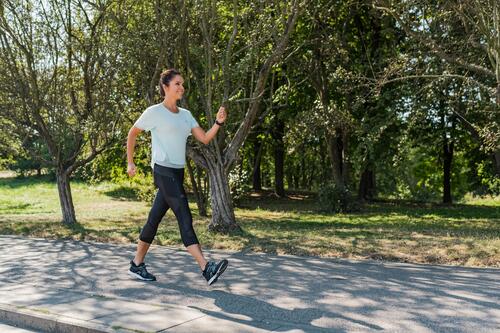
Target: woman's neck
{"x": 171, "y": 104}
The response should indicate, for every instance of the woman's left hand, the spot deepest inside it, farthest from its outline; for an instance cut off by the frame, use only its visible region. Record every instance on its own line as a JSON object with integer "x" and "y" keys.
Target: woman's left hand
{"x": 221, "y": 115}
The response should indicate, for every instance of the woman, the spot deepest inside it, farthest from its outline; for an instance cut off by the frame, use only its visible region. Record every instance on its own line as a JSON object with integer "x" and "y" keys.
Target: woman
{"x": 170, "y": 127}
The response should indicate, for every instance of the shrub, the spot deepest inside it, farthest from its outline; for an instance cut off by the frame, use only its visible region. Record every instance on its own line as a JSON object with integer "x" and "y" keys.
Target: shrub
{"x": 336, "y": 200}
{"x": 239, "y": 184}
{"x": 143, "y": 187}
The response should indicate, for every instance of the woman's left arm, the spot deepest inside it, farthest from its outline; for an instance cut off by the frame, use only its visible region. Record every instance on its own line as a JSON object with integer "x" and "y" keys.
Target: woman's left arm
{"x": 206, "y": 137}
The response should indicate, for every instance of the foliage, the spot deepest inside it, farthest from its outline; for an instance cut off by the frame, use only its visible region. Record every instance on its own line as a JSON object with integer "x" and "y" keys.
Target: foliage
{"x": 383, "y": 83}
{"x": 142, "y": 186}
{"x": 239, "y": 183}
{"x": 333, "y": 199}
{"x": 25, "y": 162}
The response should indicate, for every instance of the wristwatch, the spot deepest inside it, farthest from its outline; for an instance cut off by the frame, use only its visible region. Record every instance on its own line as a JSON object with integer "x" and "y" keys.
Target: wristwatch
{"x": 218, "y": 123}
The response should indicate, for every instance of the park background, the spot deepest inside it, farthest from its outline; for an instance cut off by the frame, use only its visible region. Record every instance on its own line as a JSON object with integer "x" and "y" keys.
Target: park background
{"x": 358, "y": 129}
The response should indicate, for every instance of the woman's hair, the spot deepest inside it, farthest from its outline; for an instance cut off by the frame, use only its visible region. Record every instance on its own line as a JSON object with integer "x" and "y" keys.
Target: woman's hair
{"x": 165, "y": 78}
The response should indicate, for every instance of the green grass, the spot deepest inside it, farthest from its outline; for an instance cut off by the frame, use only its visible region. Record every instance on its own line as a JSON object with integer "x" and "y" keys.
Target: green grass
{"x": 462, "y": 234}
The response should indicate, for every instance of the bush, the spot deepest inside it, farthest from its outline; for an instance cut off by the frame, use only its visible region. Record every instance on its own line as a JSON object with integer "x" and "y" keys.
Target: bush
{"x": 143, "y": 187}
{"x": 335, "y": 200}
{"x": 489, "y": 181}
{"x": 239, "y": 180}
{"x": 140, "y": 187}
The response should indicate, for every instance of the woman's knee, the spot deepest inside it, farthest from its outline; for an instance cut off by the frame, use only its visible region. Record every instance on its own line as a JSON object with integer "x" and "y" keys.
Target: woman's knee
{"x": 189, "y": 238}
{"x": 188, "y": 234}
{"x": 155, "y": 217}
{"x": 148, "y": 233}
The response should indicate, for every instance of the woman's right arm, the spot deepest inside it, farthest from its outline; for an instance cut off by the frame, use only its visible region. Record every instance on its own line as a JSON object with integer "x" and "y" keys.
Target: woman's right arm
{"x": 132, "y": 135}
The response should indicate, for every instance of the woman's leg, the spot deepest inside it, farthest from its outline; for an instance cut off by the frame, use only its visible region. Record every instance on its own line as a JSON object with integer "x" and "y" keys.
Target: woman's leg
{"x": 149, "y": 230}
{"x": 171, "y": 186}
{"x": 142, "y": 249}
{"x": 188, "y": 235}
{"x": 195, "y": 251}
{"x": 210, "y": 270}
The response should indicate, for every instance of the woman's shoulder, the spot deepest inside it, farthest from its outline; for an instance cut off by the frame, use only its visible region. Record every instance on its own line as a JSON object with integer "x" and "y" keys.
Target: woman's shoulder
{"x": 185, "y": 112}
{"x": 152, "y": 109}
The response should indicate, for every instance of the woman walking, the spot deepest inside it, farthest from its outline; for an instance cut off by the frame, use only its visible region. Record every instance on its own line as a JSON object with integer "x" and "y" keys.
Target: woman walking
{"x": 170, "y": 127}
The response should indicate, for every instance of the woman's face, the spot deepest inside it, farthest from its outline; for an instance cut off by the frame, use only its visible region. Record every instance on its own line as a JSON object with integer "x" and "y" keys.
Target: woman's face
{"x": 175, "y": 89}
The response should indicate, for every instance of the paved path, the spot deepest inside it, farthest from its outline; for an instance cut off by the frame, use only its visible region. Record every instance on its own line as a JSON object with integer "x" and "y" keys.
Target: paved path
{"x": 69, "y": 285}
{"x": 13, "y": 329}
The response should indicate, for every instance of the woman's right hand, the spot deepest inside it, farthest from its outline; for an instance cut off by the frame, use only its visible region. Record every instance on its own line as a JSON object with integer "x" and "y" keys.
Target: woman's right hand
{"x": 131, "y": 169}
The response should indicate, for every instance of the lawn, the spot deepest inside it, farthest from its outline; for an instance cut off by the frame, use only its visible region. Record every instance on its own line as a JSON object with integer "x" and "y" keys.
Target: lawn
{"x": 463, "y": 234}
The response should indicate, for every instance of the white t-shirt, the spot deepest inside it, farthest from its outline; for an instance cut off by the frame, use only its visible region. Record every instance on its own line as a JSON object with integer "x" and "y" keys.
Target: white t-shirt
{"x": 169, "y": 133}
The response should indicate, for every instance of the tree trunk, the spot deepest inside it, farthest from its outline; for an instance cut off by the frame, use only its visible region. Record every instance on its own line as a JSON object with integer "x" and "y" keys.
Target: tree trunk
{"x": 200, "y": 199}
{"x": 303, "y": 172}
{"x": 498, "y": 93}
{"x": 497, "y": 150}
{"x": 65, "y": 197}
{"x": 346, "y": 164}
{"x": 279, "y": 157}
{"x": 324, "y": 164}
{"x": 312, "y": 174}
{"x": 335, "y": 147}
{"x": 366, "y": 185}
{"x": 289, "y": 178}
{"x": 256, "y": 179}
{"x": 223, "y": 219}
{"x": 447, "y": 137}
{"x": 447, "y": 160}
{"x": 496, "y": 156}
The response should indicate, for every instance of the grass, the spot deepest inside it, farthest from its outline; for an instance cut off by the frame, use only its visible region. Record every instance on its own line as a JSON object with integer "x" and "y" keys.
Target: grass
{"x": 463, "y": 234}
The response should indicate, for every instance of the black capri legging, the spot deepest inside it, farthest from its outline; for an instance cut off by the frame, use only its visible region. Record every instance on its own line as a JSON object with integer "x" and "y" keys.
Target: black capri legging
{"x": 171, "y": 194}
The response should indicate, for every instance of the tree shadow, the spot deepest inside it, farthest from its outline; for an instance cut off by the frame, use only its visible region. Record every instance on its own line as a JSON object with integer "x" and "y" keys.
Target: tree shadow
{"x": 296, "y": 201}
{"x": 18, "y": 181}
{"x": 422, "y": 209}
{"x": 253, "y": 310}
{"x": 122, "y": 193}
{"x": 263, "y": 291}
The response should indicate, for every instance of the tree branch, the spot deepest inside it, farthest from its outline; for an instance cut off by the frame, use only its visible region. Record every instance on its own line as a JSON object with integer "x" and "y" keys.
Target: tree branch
{"x": 242, "y": 132}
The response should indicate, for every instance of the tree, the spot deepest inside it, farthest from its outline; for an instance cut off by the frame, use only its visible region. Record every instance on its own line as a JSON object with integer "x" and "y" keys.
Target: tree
{"x": 359, "y": 43}
{"x": 327, "y": 56}
{"x": 466, "y": 35}
{"x": 225, "y": 51}
{"x": 58, "y": 78}
{"x": 232, "y": 68}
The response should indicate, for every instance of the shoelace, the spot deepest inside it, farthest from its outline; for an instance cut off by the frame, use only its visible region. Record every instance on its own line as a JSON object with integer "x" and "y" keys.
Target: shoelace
{"x": 143, "y": 270}
{"x": 213, "y": 268}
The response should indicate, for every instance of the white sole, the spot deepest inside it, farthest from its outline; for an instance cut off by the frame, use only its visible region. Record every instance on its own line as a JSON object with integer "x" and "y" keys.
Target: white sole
{"x": 137, "y": 276}
{"x": 218, "y": 274}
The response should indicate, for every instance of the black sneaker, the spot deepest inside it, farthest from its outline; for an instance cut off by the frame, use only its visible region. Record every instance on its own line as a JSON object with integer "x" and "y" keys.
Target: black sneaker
{"x": 213, "y": 270}
{"x": 140, "y": 272}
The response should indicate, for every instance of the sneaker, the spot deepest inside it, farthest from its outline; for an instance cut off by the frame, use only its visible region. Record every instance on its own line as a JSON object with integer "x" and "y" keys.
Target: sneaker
{"x": 213, "y": 270}
{"x": 140, "y": 272}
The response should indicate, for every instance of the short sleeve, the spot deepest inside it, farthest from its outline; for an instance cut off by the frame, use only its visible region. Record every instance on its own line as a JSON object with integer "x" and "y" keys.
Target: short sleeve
{"x": 146, "y": 121}
{"x": 193, "y": 121}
